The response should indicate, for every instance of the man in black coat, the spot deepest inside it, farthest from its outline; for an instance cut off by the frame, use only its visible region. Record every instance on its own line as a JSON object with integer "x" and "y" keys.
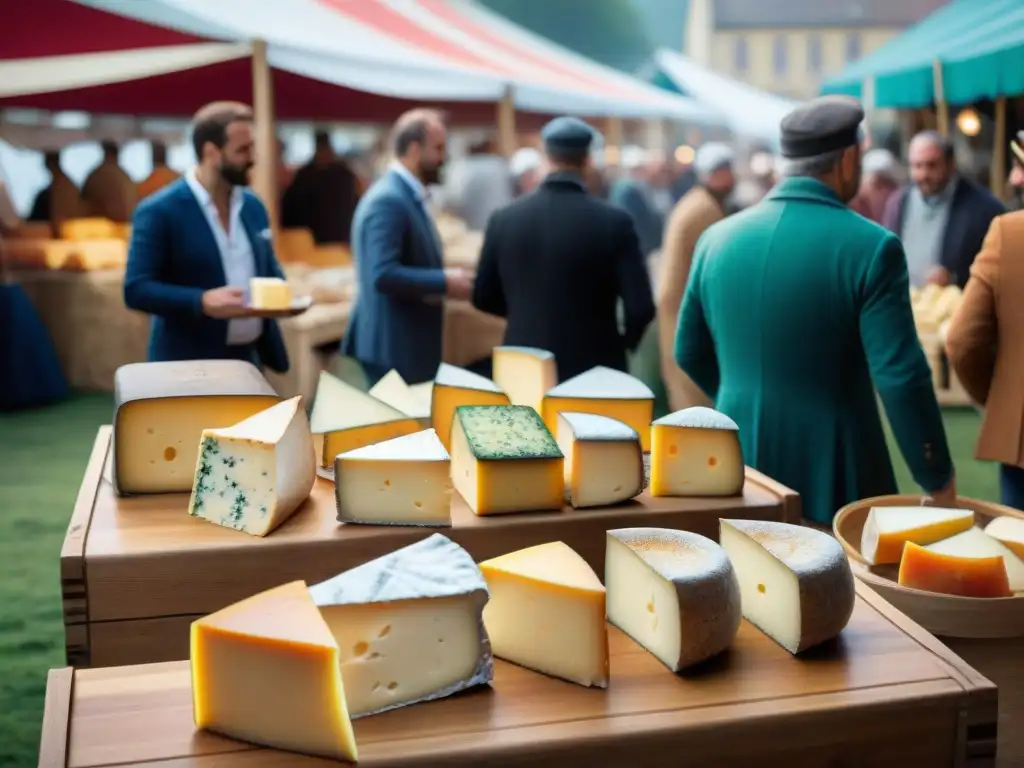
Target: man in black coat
{"x": 556, "y": 262}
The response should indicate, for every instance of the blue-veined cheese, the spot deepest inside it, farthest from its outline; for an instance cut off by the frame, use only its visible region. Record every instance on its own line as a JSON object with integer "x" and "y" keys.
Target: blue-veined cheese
{"x": 696, "y": 452}
{"x": 604, "y": 459}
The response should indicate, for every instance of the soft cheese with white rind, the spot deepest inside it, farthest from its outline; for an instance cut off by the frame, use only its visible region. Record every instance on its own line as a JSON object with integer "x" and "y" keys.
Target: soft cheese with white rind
{"x": 393, "y": 390}
{"x": 524, "y": 373}
{"x": 404, "y": 481}
{"x": 674, "y": 592}
{"x": 696, "y": 452}
{"x": 1008, "y": 531}
{"x": 255, "y": 475}
{"x": 795, "y": 582}
{"x": 887, "y": 529}
{"x": 604, "y": 460}
{"x": 409, "y": 625}
{"x": 974, "y": 542}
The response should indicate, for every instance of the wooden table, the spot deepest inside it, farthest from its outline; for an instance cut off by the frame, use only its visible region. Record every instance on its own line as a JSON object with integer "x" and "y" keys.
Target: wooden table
{"x": 886, "y": 694}
{"x": 135, "y": 572}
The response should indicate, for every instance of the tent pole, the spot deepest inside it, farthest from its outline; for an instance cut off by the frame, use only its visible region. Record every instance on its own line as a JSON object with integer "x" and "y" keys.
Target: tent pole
{"x": 265, "y": 172}
{"x": 941, "y": 107}
{"x": 507, "y": 138}
{"x": 613, "y": 136}
{"x": 997, "y": 179}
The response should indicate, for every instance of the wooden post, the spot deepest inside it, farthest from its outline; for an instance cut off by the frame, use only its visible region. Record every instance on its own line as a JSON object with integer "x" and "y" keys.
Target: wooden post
{"x": 941, "y": 107}
{"x": 265, "y": 172}
{"x": 613, "y": 135}
{"x": 507, "y": 141}
{"x": 997, "y": 178}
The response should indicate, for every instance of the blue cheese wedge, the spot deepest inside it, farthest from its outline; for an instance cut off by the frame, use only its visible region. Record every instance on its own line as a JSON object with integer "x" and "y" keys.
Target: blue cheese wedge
{"x": 409, "y": 626}
{"x": 253, "y": 476}
{"x": 604, "y": 459}
{"x": 405, "y": 481}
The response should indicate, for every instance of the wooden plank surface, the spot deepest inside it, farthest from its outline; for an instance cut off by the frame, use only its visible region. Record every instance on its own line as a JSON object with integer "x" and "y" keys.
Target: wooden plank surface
{"x": 875, "y": 697}
{"x": 53, "y": 740}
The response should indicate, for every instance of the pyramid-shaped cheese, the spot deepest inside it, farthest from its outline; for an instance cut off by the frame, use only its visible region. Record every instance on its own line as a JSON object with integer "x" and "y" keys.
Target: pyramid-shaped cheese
{"x": 409, "y": 626}
{"x": 393, "y": 390}
{"x": 674, "y": 592}
{"x": 525, "y": 373}
{"x": 255, "y": 475}
{"x": 404, "y": 481}
{"x": 604, "y": 460}
{"x": 1008, "y": 531}
{"x": 887, "y": 529}
{"x": 349, "y": 418}
{"x": 696, "y": 452}
{"x": 454, "y": 387}
{"x": 547, "y": 612}
{"x": 607, "y": 392}
{"x": 974, "y": 542}
{"x": 265, "y": 670}
{"x": 795, "y": 582}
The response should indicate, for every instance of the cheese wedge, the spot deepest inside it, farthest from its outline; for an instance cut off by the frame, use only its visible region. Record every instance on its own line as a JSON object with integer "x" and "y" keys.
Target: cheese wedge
{"x": 546, "y": 613}
{"x": 887, "y": 529}
{"x": 696, "y": 452}
{"x": 349, "y": 418}
{"x": 255, "y": 475}
{"x": 404, "y": 481}
{"x": 161, "y": 410}
{"x": 454, "y": 387}
{"x": 607, "y": 392}
{"x": 525, "y": 373}
{"x": 269, "y": 293}
{"x": 409, "y": 626}
{"x": 974, "y": 542}
{"x": 673, "y": 592}
{"x": 393, "y": 390}
{"x": 953, "y": 575}
{"x": 265, "y": 670}
{"x": 1008, "y": 531}
{"x": 795, "y": 582}
{"x": 604, "y": 460}
{"x": 505, "y": 460}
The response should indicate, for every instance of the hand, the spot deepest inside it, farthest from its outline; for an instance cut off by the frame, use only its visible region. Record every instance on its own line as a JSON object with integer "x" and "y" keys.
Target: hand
{"x": 945, "y": 497}
{"x": 458, "y": 283}
{"x": 940, "y": 276}
{"x": 224, "y": 303}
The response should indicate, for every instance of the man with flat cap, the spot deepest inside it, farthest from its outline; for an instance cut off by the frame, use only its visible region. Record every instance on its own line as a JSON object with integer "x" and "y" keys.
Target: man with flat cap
{"x": 797, "y": 311}
{"x": 557, "y": 261}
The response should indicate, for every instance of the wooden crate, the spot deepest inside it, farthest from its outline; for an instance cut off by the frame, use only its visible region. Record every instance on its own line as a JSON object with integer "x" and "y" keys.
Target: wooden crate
{"x": 948, "y": 389}
{"x": 886, "y": 694}
{"x": 135, "y": 572}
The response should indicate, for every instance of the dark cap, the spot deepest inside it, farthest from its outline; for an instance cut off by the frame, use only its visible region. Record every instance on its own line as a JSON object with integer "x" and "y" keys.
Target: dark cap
{"x": 567, "y": 134}
{"x": 823, "y": 125}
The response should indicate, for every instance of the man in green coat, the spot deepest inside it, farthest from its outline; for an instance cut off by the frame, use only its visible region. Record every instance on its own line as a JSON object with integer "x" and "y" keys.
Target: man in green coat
{"x": 797, "y": 311}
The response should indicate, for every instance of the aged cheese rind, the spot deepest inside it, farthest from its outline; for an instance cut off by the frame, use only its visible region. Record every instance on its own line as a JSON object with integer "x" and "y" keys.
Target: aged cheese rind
{"x": 269, "y": 293}
{"x": 604, "y": 461}
{"x": 930, "y": 571}
{"x": 1008, "y": 531}
{"x": 795, "y": 582}
{"x": 161, "y": 410}
{"x": 425, "y": 602}
{"x": 887, "y": 529}
{"x": 525, "y": 373}
{"x": 405, "y": 481}
{"x": 255, "y": 475}
{"x": 974, "y": 542}
{"x": 674, "y": 592}
{"x": 696, "y": 452}
{"x": 454, "y": 387}
{"x": 393, "y": 390}
{"x": 607, "y": 392}
{"x": 265, "y": 670}
{"x": 504, "y": 460}
{"x": 547, "y": 613}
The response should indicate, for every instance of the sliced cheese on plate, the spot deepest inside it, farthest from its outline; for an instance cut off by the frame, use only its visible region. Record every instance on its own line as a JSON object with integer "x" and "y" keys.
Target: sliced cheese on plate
{"x": 269, "y": 293}
{"x": 696, "y": 452}
{"x": 974, "y": 542}
{"x": 525, "y": 374}
{"x": 453, "y": 387}
{"x": 1009, "y": 531}
{"x": 604, "y": 460}
{"x": 930, "y": 571}
{"x": 607, "y": 392}
{"x": 887, "y": 529}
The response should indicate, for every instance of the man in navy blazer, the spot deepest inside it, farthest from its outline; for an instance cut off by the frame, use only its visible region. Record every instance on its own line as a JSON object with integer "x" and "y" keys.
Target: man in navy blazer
{"x": 196, "y": 244}
{"x": 398, "y": 319}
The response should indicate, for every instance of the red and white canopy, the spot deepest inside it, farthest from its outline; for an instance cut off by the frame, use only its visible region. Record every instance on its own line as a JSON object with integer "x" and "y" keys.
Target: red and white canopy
{"x": 332, "y": 59}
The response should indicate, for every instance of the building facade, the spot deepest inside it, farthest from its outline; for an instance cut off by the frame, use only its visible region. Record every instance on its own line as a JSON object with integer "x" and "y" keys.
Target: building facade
{"x": 789, "y": 46}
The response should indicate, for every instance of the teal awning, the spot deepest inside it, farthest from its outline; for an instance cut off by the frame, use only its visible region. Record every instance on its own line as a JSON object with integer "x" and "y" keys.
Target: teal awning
{"x": 979, "y": 43}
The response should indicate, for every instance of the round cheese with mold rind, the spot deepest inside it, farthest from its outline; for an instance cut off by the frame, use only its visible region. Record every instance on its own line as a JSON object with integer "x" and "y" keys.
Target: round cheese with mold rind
{"x": 674, "y": 592}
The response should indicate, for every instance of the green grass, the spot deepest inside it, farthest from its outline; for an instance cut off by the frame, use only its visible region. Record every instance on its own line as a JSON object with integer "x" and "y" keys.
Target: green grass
{"x": 42, "y": 457}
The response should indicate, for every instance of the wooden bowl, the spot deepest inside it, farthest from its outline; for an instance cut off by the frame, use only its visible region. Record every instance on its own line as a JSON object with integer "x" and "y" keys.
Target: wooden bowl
{"x": 945, "y": 615}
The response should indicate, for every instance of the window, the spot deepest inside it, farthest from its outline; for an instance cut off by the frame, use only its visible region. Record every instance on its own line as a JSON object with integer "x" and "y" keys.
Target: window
{"x": 814, "y": 54}
{"x": 740, "y": 56}
{"x": 852, "y": 46}
{"x": 779, "y": 55}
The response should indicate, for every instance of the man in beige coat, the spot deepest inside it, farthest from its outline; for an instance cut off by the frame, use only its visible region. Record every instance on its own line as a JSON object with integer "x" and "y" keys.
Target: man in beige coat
{"x": 699, "y": 208}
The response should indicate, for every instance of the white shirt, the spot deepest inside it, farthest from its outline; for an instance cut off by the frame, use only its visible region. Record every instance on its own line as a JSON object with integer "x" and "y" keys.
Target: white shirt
{"x": 235, "y": 254}
{"x": 417, "y": 186}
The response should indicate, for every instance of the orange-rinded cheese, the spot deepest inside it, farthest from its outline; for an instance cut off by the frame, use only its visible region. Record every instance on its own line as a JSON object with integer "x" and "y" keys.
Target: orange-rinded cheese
{"x": 887, "y": 529}
{"x": 267, "y": 670}
{"x": 606, "y": 392}
{"x": 453, "y": 387}
{"x": 525, "y": 373}
{"x": 696, "y": 452}
{"x": 921, "y": 568}
{"x": 1008, "y": 531}
{"x": 91, "y": 228}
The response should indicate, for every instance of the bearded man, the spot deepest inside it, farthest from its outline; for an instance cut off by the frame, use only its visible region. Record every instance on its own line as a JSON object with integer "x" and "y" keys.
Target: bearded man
{"x": 398, "y": 318}
{"x": 195, "y": 246}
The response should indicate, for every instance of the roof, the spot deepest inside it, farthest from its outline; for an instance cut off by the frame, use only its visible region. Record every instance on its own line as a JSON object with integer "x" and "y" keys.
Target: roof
{"x": 744, "y": 14}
